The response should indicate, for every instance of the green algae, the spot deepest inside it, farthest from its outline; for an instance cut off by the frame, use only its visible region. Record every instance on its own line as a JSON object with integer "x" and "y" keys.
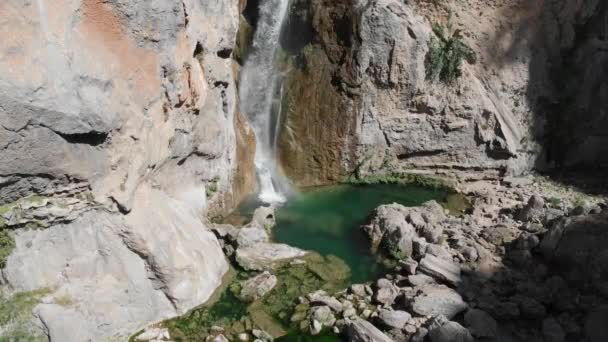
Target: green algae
{"x": 273, "y": 312}
{"x": 15, "y": 316}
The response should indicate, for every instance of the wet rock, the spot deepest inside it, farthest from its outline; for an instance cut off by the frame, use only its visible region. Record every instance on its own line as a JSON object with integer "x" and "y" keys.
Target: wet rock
{"x": 265, "y": 256}
{"x": 386, "y": 292}
{"x": 552, "y": 330}
{"x": 257, "y": 287}
{"x": 438, "y": 300}
{"x": 450, "y": 332}
{"x": 480, "y": 323}
{"x": 393, "y": 319}
{"x": 441, "y": 269}
{"x": 363, "y": 331}
{"x": 264, "y": 217}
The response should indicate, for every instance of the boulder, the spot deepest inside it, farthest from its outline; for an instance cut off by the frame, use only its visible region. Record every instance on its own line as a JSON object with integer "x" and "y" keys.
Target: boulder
{"x": 533, "y": 211}
{"x": 386, "y": 292}
{"x": 257, "y": 287}
{"x": 480, "y": 323}
{"x": 363, "y": 331}
{"x": 250, "y": 235}
{"x": 552, "y": 330}
{"x": 266, "y": 256}
{"x": 450, "y": 332}
{"x": 440, "y": 269}
{"x": 264, "y": 217}
{"x": 321, "y": 297}
{"x": 408, "y": 265}
{"x": 420, "y": 279}
{"x": 393, "y": 319}
{"x": 435, "y": 300}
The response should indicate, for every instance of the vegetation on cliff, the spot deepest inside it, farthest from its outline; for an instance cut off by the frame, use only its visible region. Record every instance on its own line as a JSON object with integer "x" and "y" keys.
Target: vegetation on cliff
{"x": 446, "y": 53}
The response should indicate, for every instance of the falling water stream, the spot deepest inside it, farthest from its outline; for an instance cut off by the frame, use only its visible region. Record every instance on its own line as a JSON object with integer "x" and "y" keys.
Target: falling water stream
{"x": 258, "y": 88}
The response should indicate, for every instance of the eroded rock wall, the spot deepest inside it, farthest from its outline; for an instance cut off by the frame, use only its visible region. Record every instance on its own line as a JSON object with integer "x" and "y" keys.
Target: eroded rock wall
{"x": 119, "y": 133}
{"x": 368, "y": 57}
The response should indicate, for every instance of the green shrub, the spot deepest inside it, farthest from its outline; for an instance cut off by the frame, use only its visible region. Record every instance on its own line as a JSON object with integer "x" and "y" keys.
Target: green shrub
{"x": 446, "y": 52}
{"x": 7, "y": 244}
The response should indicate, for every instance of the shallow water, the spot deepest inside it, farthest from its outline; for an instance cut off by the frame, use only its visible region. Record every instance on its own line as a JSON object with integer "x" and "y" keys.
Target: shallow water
{"x": 328, "y": 219}
{"x": 324, "y": 220}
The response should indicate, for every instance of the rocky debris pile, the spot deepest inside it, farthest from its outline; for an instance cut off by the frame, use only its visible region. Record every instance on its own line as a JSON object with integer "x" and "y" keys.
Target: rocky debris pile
{"x": 525, "y": 268}
{"x": 250, "y": 245}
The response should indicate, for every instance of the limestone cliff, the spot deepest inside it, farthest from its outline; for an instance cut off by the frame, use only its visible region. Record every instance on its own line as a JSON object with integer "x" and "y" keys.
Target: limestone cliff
{"x": 358, "y": 99}
{"x": 119, "y": 132}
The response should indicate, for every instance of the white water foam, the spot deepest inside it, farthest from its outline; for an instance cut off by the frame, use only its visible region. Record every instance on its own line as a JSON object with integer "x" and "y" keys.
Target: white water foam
{"x": 258, "y": 86}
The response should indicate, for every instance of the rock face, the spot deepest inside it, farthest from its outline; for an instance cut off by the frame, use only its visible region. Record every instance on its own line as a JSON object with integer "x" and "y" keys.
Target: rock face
{"x": 358, "y": 100}
{"x": 370, "y": 56}
{"x": 119, "y": 130}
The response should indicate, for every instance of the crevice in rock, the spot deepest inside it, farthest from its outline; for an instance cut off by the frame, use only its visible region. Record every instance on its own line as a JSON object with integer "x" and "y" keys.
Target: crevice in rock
{"x": 92, "y": 138}
{"x": 415, "y": 154}
{"x": 224, "y": 53}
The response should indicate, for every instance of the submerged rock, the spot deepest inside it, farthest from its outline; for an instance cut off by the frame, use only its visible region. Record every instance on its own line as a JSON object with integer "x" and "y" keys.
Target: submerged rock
{"x": 257, "y": 287}
{"x": 266, "y": 256}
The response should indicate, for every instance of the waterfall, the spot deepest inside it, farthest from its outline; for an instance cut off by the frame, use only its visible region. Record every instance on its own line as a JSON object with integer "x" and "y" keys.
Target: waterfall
{"x": 258, "y": 90}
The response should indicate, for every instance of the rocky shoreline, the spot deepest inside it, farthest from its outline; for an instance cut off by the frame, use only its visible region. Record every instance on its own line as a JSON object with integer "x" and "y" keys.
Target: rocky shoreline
{"x": 524, "y": 263}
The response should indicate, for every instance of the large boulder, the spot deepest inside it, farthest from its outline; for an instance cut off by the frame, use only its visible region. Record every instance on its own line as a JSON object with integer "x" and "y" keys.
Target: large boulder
{"x": 396, "y": 228}
{"x": 394, "y": 319}
{"x": 440, "y": 269}
{"x": 579, "y": 247}
{"x": 450, "y": 332}
{"x": 480, "y": 323}
{"x": 433, "y": 300}
{"x": 363, "y": 331}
